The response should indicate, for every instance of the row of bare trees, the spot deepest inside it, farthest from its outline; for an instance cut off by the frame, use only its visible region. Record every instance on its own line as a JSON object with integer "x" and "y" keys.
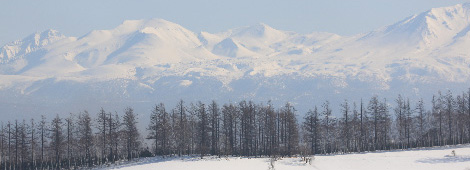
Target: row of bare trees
{"x": 250, "y": 129}
{"x": 235, "y": 129}
{"x": 69, "y": 143}
{"x": 374, "y": 125}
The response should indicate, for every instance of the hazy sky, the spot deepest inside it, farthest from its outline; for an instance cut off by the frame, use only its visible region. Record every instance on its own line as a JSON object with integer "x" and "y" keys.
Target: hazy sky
{"x": 19, "y": 18}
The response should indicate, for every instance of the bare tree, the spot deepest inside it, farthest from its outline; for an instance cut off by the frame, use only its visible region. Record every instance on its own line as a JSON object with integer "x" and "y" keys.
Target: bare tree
{"x": 327, "y": 126}
{"x": 449, "y": 109}
{"x": 400, "y": 119}
{"x": 114, "y": 135}
{"x": 408, "y": 122}
{"x": 102, "y": 123}
{"x": 346, "y": 128}
{"x": 160, "y": 129}
{"x": 9, "y": 145}
{"x": 203, "y": 129}
{"x": 363, "y": 118}
{"x": 292, "y": 129}
{"x": 356, "y": 129}
{"x": 2, "y": 146}
{"x": 181, "y": 130}
{"x": 438, "y": 116}
{"x": 214, "y": 126}
{"x": 311, "y": 127}
{"x": 468, "y": 113}
{"x": 44, "y": 133}
{"x": 229, "y": 113}
{"x": 374, "y": 111}
{"x": 33, "y": 142}
{"x": 85, "y": 137}
{"x": 23, "y": 144}
{"x": 421, "y": 117}
{"x": 57, "y": 139}
{"x": 131, "y": 133}
{"x": 70, "y": 138}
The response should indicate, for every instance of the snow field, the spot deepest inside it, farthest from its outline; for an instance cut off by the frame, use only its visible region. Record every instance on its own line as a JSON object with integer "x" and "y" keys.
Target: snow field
{"x": 438, "y": 158}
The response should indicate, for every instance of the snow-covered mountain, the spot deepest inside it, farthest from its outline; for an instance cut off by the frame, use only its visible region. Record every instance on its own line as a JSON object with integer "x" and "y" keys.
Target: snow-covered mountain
{"x": 141, "y": 62}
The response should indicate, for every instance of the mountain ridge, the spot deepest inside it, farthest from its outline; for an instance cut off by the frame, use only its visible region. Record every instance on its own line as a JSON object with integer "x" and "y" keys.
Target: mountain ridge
{"x": 141, "y": 59}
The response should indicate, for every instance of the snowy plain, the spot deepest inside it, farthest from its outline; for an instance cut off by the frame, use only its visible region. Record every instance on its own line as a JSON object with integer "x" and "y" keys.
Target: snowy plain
{"x": 436, "y": 158}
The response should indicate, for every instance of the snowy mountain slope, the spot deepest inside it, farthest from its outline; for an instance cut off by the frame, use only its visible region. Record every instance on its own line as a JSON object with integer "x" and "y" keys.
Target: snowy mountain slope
{"x": 262, "y": 40}
{"x": 141, "y": 62}
{"x": 416, "y": 47}
{"x": 29, "y": 44}
{"x": 419, "y": 159}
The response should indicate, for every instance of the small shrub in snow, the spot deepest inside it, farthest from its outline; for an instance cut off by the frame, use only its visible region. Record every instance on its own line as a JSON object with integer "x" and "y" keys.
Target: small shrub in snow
{"x": 272, "y": 162}
{"x": 453, "y": 153}
{"x": 310, "y": 160}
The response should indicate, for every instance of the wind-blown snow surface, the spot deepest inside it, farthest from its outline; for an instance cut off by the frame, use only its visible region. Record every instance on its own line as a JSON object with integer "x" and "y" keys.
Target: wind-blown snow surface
{"x": 141, "y": 62}
{"x": 420, "y": 159}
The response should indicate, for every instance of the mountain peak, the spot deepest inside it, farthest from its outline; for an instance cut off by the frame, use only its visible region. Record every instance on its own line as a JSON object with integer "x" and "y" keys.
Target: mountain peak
{"x": 147, "y": 22}
{"x": 29, "y": 44}
{"x": 261, "y": 26}
{"x": 450, "y": 11}
{"x": 44, "y": 38}
{"x": 51, "y": 33}
{"x": 445, "y": 21}
{"x": 430, "y": 28}
{"x": 259, "y": 31}
{"x": 135, "y": 25}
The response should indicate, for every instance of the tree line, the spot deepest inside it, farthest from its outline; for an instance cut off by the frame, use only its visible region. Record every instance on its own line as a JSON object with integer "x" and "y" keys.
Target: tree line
{"x": 234, "y": 129}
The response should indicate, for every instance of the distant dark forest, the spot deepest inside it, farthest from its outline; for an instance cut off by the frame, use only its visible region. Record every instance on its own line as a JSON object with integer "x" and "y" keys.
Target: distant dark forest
{"x": 243, "y": 129}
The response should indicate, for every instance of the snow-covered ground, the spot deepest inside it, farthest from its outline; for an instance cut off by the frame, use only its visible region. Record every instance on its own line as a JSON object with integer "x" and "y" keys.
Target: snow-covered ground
{"x": 438, "y": 158}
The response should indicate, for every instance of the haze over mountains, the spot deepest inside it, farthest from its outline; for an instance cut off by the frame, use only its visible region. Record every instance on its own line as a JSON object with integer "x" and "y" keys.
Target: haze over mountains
{"x": 142, "y": 62}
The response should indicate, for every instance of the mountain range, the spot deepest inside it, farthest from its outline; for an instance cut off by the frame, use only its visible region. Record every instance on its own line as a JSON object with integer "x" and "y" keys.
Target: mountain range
{"x": 142, "y": 62}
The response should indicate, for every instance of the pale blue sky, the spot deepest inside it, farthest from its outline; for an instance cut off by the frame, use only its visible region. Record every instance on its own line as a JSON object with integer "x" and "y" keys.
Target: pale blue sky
{"x": 19, "y": 18}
